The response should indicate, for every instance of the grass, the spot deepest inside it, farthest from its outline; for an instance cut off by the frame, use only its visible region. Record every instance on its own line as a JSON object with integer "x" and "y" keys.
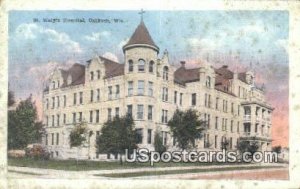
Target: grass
{"x": 73, "y": 165}
{"x": 168, "y": 172}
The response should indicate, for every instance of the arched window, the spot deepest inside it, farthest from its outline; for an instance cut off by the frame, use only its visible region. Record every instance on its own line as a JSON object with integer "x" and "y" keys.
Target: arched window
{"x": 92, "y": 75}
{"x": 130, "y": 66}
{"x": 208, "y": 81}
{"x": 141, "y": 66}
{"x": 53, "y": 84}
{"x": 98, "y": 74}
{"x": 151, "y": 66}
{"x": 166, "y": 73}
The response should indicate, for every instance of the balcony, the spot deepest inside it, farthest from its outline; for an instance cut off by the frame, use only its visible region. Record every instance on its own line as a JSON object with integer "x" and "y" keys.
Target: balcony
{"x": 247, "y": 118}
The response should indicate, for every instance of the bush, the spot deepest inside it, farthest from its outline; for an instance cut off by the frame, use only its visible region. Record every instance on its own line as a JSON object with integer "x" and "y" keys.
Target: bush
{"x": 37, "y": 151}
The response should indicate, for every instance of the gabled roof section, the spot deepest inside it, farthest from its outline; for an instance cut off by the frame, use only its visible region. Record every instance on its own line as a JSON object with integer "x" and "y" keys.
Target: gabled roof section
{"x": 141, "y": 36}
{"x": 77, "y": 73}
{"x": 183, "y": 75}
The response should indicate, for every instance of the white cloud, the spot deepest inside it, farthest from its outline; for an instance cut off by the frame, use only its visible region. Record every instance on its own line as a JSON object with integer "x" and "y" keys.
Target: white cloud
{"x": 111, "y": 56}
{"x": 122, "y": 43}
{"x": 38, "y": 33}
{"x": 97, "y": 36}
{"x": 204, "y": 44}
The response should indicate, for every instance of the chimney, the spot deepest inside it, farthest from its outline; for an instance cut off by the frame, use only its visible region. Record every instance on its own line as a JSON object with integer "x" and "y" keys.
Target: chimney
{"x": 225, "y": 66}
{"x": 182, "y": 63}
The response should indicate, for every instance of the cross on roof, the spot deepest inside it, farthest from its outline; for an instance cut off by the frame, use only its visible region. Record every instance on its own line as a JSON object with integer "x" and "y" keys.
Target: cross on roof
{"x": 141, "y": 13}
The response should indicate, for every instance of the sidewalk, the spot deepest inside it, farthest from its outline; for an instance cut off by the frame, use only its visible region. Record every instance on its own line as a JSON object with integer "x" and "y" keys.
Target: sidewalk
{"x": 52, "y": 173}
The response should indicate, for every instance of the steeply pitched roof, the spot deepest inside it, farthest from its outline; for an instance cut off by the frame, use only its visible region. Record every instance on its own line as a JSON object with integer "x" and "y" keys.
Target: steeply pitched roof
{"x": 112, "y": 68}
{"x": 77, "y": 73}
{"x": 141, "y": 36}
{"x": 183, "y": 75}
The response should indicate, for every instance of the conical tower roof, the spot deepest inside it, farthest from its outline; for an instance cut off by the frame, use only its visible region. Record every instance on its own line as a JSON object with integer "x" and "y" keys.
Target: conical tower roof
{"x": 141, "y": 37}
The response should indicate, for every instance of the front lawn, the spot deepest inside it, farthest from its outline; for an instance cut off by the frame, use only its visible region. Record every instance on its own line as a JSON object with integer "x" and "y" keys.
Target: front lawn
{"x": 73, "y": 165}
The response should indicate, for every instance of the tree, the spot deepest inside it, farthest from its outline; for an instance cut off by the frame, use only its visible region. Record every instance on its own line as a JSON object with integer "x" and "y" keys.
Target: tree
{"x": 11, "y": 98}
{"x": 117, "y": 136}
{"x": 78, "y": 135}
{"x": 23, "y": 127}
{"x": 158, "y": 143}
{"x": 186, "y": 127}
{"x": 277, "y": 149}
{"x": 247, "y": 146}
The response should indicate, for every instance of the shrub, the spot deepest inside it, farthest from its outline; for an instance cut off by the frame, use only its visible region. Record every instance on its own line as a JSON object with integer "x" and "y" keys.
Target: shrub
{"x": 37, "y": 151}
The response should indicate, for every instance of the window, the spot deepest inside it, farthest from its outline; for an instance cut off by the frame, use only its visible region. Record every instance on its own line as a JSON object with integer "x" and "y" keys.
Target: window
{"x": 205, "y": 100}
{"x": 47, "y": 103}
{"x": 57, "y": 138}
{"x": 180, "y": 99}
{"x": 47, "y": 121}
{"x": 65, "y": 100}
{"x": 232, "y": 108}
{"x": 149, "y": 136}
{"x": 91, "y": 116}
{"x": 109, "y": 92}
{"x": 57, "y": 99}
{"x": 166, "y": 73}
{"x": 117, "y": 91}
{"x": 98, "y": 74}
{"x": 216, "y": 123}
{"x": 53, "y": 102}
{"x": 217, "y": 103}
{"x": 151, "y": 65}
{"x": 74, "y": 117}
{"x": 97, "y": 116}
{"x": 52, "y": 120}
{"x": 129, "y": 110}
{"x": 238, "y": 109}
{"x": 92, "y": 96}
{"x": 53, "y": 84}
{"x": 140, "y": 111}
{"x": 231, "y": 126}
{"x": 164, "y": 137}
{"x": 80, "y": 116}
{"x": 80, "y": 98}
{"x": 92, "y": 75}
{"x": 194, "y": 99}
{"x": 175, "y": 97}
{"x": 46, "y": 139}
{"x": 57, "y": 119}
{"x": 208, "y": 81}
{"x": 150, "y": 112}
{"x": 216, "y": 141}
{"x": 65, "y": 118}
{"x": 98, "y": 95}
{"x": 52, "y": 138}
{"x": 139, "y": 136}
{"x": 75, "y": 97}
{"x": 140, "y": 87}
{"x": 238, "y": 127}
{"x": 150, "y": 88}
{"x": 130, "y": 88}
{"x": 117, "y": 112}
{"x": 164, "y": 116}
{"x": 165, "y": 94}
{"x": 130, "y": 66}
{"x": 109, "y": 114}
{"x": 208, "y": 121}
{"x": 209, "y": 101}
{"x": 141, "y": 66}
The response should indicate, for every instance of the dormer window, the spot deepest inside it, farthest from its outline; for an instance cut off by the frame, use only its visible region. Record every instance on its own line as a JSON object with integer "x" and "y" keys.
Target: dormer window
{"x": 130, "y": 66}
{"x": 53, "y": 84}
{"x": 98, "y": 74}
{"x": 208, "y": 81}
{"x": 151, "y": 65}
{"x": 92, "y": 75}
{"x": 141, "y": 66}
{"x": 166, "y": 73}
